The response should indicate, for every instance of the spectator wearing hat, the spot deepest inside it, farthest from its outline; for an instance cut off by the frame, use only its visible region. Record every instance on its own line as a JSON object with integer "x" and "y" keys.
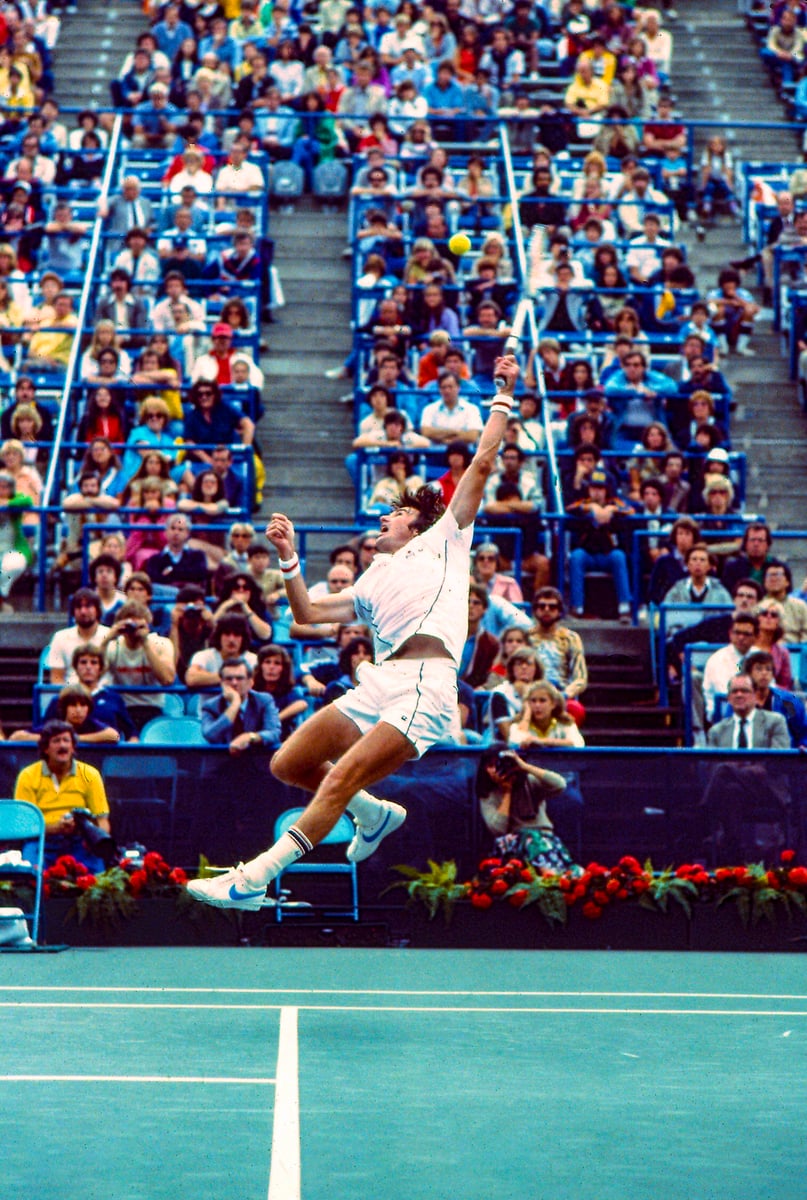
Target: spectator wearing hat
{"x": 595, "y": 538}
{"x": 216, "y": 365}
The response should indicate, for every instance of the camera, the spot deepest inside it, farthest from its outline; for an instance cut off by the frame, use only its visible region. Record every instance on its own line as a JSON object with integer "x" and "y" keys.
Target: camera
{"x": 131, "y": 626}
{"x": 506, "y": 764}
{"x": 100, "y": 843}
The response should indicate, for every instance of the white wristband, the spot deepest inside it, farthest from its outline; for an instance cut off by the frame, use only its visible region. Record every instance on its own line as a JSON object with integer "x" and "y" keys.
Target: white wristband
{"x": 290, "y": 573}
{"x": 288, "y": 564}
{"x": 502, "y": 404}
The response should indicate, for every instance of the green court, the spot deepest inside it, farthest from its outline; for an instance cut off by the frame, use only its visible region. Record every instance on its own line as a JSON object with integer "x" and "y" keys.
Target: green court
{"x": 342, "y": 1074}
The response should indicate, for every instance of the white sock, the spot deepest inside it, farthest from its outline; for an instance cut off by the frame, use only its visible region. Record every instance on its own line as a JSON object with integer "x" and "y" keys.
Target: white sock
{"x": 365, "y": 809}
{"x": 287, "y": 849}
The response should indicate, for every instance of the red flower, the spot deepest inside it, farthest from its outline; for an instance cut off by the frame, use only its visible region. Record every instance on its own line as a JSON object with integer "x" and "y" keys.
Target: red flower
{"x": 700, "y": 878}
{"x": 518, "y": 898}
{"x": 798, "y": 876}
{"x": 602, "y": 898}
{"x": 684, "y": 870}
{"x": 178, "y": 876}
{"x": 613, "y": 885}
{"x": 787, "y": 856}
{"x": 565, "y": 883}
{"x": 481, "y": 900}
{"x": 622, "y": 894}
{"x": 137, "y": 881}
{"x": 630, "y": 864}
{"x": 69, "y": 863}
{"x": 498, "y": 872}
{"x": 592, "y": 910}
{"x": 516, "y": 862}
{"x": 499, "y": 887}
{"x": 526, "y": 875}
{"x": 487, "y": 863}
{"x": 57, "y": 871}
{"x": 773, "y": 880}
{"x": 85, "y": 882}
{"x": 640, "y": 885}
{"x": 723, "y": 873}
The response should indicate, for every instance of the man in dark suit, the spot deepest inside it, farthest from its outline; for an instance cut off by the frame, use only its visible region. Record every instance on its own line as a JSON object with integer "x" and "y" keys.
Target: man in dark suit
{"x": 176, "y": 565}
{"x": 738, "y": 795}
{"x": 128, "y": 210}
{"x": 245, "y": 721}
{"x": 240, "y": 717}
{"x": 127, "y": 311}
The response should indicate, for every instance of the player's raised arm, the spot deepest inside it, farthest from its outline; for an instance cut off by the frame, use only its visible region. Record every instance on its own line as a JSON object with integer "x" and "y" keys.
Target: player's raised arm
{"x": 470, "y": 489}
{"x": 337, "y": 607}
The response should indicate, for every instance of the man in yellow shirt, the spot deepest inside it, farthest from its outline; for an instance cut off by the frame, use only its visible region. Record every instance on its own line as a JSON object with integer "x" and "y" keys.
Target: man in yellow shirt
{"x": 586, "y": 92}
{"x": 57, "y": 784}
{"x": 50, "y": 348}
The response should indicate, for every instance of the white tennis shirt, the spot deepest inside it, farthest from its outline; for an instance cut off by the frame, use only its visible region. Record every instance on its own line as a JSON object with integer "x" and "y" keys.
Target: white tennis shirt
{"x": 420, "y": 589}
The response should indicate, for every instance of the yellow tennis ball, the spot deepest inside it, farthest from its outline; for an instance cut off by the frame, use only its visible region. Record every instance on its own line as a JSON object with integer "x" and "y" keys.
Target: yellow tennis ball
{"x": 460, "y": 243}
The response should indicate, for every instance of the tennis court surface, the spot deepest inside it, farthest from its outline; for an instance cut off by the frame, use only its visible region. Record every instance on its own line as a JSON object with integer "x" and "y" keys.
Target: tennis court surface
{"x": 308, "y": 1074}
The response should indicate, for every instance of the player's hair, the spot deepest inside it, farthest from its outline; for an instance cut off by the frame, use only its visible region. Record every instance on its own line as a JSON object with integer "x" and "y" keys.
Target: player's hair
{"x": 428, "y": 502}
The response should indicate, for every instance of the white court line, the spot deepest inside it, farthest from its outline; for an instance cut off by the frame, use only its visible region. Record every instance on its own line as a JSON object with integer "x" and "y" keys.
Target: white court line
{"x": 284, "y": 1173}
{"x": 238, "y": 1079}
{"x": 466, "y": 1010}
{"x": 220, "y": 991}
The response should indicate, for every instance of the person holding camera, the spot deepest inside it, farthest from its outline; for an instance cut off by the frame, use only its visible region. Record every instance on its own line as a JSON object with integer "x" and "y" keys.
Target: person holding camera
{"x": 191, "y": 626}
{"x": 137, "y": 657}
{"x": 513, "y": 796}
{"x": 72, "y": 798}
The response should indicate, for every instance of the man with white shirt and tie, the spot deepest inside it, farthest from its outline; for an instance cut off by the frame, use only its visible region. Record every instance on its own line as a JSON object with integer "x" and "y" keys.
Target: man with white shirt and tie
{"x": 739, "y": 796}
{"x": 128, "y": 210}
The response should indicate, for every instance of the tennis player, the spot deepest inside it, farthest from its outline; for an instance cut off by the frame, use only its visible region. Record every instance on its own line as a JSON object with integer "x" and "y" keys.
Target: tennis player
{"x": 414, "y": 598}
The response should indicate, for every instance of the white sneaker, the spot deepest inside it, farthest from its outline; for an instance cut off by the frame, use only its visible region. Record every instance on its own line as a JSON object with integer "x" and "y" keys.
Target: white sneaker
{"x": 368, "y": 839}
{"x": 229, "y": 890}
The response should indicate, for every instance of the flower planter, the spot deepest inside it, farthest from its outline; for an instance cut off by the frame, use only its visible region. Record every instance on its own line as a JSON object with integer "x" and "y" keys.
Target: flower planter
{"x": 158, "y": 921}
{"x": 625, "y": 927}
{"x": 721, "y": 929}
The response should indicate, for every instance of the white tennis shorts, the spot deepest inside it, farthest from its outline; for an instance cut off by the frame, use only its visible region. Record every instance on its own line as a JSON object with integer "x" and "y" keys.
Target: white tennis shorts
{"x": 417, "y": 697}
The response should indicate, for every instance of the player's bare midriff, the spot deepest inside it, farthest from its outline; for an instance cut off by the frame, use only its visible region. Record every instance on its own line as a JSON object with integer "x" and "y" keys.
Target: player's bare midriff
{"x": 421, "y": 645}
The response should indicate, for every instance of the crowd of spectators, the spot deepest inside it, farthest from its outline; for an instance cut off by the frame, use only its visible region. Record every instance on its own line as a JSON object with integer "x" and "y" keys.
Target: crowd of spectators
{"x": 184, "y": 601}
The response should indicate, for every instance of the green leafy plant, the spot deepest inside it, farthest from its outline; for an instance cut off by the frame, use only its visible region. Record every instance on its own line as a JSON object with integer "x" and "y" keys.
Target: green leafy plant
{"x": 437, "y": 888}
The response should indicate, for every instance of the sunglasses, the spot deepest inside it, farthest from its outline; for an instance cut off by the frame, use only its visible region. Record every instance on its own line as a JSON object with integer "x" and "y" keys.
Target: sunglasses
{"x": 550, "y": 606}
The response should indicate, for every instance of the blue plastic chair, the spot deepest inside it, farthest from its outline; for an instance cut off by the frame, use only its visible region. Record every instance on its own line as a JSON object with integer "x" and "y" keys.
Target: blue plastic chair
{"x": 24, "y": 822}
{"x": 172, "y": 731}
{"x": 341, "y": 834}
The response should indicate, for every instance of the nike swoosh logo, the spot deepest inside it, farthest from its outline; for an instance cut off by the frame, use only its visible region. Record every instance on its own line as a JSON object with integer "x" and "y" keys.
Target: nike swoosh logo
{"x": 234, "y": 894}
{"x": 373, "y": 837}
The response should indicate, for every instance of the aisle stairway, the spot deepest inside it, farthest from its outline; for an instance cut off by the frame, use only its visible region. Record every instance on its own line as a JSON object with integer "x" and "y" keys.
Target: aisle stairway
{"x": 306, "y": 432}
{"x": 92, "y": 45}
{"x": 717, "y": 74}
